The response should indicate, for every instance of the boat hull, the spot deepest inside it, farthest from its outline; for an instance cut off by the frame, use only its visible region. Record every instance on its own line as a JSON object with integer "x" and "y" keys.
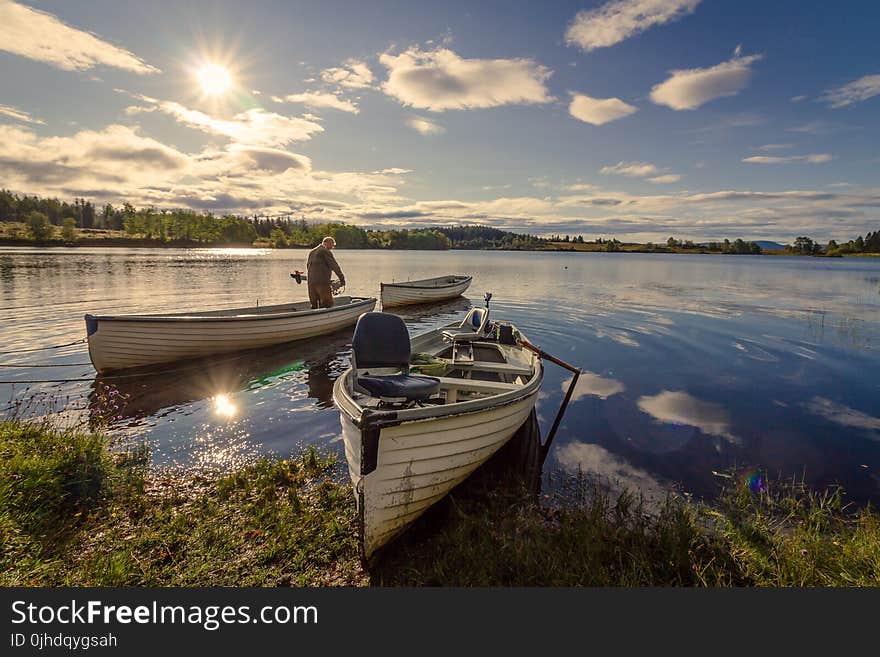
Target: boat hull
{"x": 123, "y": 342}
{"x": 407, "y": 294}
{"x": 417, "y": 463}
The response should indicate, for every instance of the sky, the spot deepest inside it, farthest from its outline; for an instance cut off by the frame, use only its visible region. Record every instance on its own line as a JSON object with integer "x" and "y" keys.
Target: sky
{"x": 628, "y": 119}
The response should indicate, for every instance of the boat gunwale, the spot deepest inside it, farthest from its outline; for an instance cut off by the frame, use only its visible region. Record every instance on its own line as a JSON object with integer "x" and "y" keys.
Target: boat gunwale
{"x": 356, "y": 303}
{"x": 411, "y": 285}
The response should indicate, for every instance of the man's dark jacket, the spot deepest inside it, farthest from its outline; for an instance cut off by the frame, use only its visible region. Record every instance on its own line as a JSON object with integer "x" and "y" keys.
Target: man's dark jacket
{"x": 320, "y": 264}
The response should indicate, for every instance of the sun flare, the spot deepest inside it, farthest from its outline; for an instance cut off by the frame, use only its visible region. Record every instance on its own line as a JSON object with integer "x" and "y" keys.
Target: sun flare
{"x": 224, "y": 407}
{"x": 215, "y": 80}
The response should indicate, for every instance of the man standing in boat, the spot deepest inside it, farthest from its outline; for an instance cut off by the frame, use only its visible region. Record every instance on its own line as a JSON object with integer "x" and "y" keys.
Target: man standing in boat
{"x": 320, "y": 265}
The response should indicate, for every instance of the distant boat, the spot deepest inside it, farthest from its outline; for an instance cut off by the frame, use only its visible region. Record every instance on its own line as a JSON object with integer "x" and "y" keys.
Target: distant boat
{"x": 409, "y": 438}
{"x": 119, "y": 342}
{"x": 427, "y": 290}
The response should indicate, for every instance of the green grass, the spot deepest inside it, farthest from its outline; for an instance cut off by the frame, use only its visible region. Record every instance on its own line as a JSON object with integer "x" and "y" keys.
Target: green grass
{"x": 74, "y": 513}
{"x": 786, "y": 536}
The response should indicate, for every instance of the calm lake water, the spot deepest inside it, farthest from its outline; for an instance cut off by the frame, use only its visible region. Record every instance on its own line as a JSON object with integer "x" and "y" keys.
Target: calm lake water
{"x": 693, "y": 364}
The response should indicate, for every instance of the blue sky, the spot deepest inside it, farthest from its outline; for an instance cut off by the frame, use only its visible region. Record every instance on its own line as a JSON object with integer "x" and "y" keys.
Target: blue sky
{"x": 636, "y": 119}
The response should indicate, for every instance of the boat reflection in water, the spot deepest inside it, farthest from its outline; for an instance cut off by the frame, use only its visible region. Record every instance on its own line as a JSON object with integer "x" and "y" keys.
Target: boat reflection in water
{"x": 221, "y": 413}
{"x": 222, "y": 379}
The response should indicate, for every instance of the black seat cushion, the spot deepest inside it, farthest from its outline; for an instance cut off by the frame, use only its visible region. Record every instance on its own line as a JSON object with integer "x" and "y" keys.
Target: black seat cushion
{"x": 409, "y": 386}
{"x": 380, "y": 340}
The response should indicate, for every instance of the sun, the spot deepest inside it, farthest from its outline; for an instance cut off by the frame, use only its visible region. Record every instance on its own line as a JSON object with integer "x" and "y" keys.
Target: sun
{"x": 214, "y": 79}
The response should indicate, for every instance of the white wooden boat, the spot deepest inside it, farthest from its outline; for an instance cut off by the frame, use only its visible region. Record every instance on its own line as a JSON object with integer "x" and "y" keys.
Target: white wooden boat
{"x": 427, "y": 290}
{"x": 409, "y": 439}
{"x": 122, "y": 341}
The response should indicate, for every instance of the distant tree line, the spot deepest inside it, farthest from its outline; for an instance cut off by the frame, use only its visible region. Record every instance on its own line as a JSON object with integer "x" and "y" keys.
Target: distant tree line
{"x": 46, "y": 219}
{"x": 20, "y": 208}
{"x": 870, "y": 243}
{"x": 485, "y": 237}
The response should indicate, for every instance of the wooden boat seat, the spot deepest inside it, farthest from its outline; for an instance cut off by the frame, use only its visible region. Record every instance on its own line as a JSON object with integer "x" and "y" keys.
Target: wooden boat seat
{"x": 488, "y": 366}
{"x": 447, "y": 382}
{"x": 500, "y": 368}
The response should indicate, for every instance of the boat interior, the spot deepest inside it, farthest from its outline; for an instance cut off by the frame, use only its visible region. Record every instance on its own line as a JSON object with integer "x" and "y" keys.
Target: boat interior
{"x": 454, "y": 364}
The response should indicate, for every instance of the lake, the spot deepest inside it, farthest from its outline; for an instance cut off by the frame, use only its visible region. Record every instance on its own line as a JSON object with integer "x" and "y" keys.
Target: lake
{"x": 693, "y": 365}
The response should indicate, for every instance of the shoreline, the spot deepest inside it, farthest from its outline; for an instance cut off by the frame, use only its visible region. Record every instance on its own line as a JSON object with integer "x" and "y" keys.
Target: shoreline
{"x": 75, "y": 513}
{"x": 150, "y": 244}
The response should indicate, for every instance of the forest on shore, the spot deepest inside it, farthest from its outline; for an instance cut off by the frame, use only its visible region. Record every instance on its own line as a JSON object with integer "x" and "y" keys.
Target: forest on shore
{"x": 32, "y": 220}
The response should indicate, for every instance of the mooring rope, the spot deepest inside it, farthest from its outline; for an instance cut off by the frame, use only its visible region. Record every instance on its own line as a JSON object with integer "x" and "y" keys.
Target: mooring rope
{"x": 110, "y": 377}
{"x": 54, "y": 346}
{"x": 43, "y": 365}
{"x": 29, "y": 381}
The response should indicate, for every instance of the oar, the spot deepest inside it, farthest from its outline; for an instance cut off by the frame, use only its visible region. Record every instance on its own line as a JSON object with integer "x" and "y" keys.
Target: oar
{"x": 545, "y": 448}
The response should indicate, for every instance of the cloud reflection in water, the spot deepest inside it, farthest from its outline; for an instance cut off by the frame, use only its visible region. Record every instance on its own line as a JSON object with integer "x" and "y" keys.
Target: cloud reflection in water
{"x": 590, "y": 384}
{"x": 614, "y": 472}
{"x": 681, "y": 408}
{"x": 843, "y": 415}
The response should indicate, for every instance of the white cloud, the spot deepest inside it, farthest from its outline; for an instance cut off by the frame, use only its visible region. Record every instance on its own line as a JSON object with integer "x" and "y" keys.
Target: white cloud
{"x": 665, "y": 178}
{"x": 319, "y": 99}
{"x": 617, "y": 20}
{"x": 854, "y": 92}
{"x": 440, "y": 80}
{"x": 631, "y": 169}
{"x": 43, "y": 37}
{"x": 814, "y": 128}
{"x": 577, "y": 187}
{"x": 813, "y": 158}
{"x": 798, "y": 99}
{"x": 353, "y": 74}
{"x": 425, "y": 126}
{"x": 255, "y": 126}
{"x": 113, "y": 156}
{"x": 682, "y": 408}
{"x": 641, "y": 170}
{"x": 19, "y": 115}
{"x": 117, "y": 163}
{"x": 598, "y": 111}
{"x": 690, "y": 88}
{"x": 239, "y": 159}
{"x": 775, "y": 147}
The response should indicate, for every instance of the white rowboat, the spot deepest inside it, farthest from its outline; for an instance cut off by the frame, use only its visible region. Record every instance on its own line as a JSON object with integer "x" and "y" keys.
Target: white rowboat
{"x": 410, "y": 439}
{"x": 427, "y": 290}
{"x": 122, "y": 341}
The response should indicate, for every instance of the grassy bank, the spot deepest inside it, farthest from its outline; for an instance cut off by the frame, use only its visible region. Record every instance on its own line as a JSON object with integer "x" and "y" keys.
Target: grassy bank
{"x": 72, "y": 513}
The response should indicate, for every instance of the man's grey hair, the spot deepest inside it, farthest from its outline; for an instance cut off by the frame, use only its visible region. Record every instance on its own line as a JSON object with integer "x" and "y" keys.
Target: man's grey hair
{"x": 328, "y": 240}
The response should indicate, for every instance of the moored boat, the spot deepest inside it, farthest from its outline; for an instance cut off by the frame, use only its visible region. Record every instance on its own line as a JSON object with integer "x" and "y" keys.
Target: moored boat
{"x": 119, "y": 342}
{"x": 427, "y": 290}
{"x": 410, "y": 438}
